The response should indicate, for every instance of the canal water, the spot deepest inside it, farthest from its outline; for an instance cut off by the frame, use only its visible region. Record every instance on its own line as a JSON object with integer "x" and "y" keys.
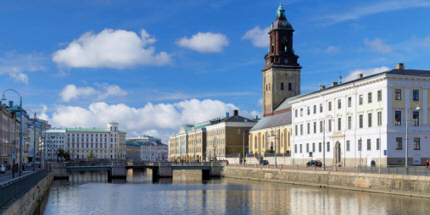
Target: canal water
{"x": 186, "y": 193}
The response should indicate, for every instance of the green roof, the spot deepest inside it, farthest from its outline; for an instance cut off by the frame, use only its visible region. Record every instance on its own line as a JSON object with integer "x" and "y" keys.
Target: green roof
{"x": 187, "y": 128}
{"x": 88, "y": 129}
{"x": 132, "y": 143}
{"x": 112, "y": 122}
{"x": 201, "y": 125}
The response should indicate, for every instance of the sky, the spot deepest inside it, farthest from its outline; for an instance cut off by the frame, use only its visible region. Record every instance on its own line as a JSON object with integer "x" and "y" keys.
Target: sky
{"x": 154, "y": 65}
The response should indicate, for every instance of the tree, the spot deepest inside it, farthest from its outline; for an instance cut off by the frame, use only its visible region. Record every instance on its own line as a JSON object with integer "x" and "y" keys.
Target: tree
{"x": 60, "y": 153}
{"x": 91, "y": 155}
{"x": 67, "y": 156}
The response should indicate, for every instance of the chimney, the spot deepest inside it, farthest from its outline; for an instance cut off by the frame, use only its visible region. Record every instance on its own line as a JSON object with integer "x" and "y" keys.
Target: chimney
{"x": 236, "y": 112}
{"x": 333, "y": 84}
{"x": 226, "y": 114}
{"x": 10, "y": 104}
{"x": 360, "y": 75}
{"x": 322, "y": 87}
{"x": 400, "y": 66}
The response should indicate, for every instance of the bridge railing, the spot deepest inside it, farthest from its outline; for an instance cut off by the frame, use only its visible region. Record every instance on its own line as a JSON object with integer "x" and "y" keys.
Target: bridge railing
{"x": 12, "y": 188}
{"x": 95, "y": 164}
{"x": 197, "y": 163}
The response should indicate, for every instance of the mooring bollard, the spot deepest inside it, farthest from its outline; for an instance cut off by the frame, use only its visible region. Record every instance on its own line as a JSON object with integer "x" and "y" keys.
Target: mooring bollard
{"x": 297, "y": 166}
{"x": 335, "y": 168}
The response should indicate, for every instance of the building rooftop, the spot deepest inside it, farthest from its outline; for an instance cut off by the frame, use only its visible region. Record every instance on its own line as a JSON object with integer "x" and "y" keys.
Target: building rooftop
{"x": 90, "y": 130}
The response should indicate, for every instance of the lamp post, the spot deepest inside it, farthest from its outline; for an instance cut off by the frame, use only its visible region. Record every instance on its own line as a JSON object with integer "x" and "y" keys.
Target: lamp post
{"x": 380, "y": 141}
{"x": 34, "y": 140}
{"x": 243, "y": 162}
{"x": 20, "y": 134}
{"x": 406, "y": 144}
{"x": 214, "y": 147}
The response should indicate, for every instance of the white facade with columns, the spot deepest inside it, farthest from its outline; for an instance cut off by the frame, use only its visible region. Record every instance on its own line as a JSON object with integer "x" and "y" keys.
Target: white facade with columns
{"x": 358, "y": 121}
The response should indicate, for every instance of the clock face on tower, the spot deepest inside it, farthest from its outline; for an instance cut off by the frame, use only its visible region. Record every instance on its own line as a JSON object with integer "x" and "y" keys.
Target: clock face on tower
{"x": 284, "y": 39}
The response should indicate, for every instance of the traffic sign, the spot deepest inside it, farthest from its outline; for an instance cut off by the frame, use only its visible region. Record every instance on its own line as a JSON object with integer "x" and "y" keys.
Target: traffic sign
{"x": 13, "y": 154}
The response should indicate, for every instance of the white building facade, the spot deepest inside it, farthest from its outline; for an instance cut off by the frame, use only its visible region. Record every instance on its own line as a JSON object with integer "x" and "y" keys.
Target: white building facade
{"x": 364, "y": 120}
{"x": 102, "y": 143}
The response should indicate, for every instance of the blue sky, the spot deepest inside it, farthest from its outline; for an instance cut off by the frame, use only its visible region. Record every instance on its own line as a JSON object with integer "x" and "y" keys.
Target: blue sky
{"x": 153, "y": 65}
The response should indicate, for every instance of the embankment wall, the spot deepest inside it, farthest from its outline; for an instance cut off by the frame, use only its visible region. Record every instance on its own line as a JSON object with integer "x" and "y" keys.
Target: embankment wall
{"x": 408, "y": 185}
{"x": 31, "y": 202}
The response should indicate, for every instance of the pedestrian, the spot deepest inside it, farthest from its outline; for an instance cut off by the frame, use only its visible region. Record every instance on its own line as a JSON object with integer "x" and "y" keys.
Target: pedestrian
{"x": 427, "y": 164}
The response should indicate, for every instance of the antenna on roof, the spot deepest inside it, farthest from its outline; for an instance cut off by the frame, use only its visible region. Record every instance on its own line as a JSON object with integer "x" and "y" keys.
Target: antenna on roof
{"x": 340, "y": 78}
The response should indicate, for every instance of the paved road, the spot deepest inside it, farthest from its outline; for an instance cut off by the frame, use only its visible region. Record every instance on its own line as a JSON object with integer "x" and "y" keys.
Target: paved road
{"x": 8, "y": 175}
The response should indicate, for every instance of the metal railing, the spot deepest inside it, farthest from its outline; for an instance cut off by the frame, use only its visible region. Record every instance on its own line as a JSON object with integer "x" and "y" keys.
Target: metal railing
{"x": 11, "y": 189}
{"x": 396, "y": 169}
{"x": 95, "y": 164}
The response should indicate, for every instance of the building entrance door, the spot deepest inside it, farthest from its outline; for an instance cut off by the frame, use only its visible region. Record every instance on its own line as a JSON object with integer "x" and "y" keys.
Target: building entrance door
{"x": 338, "y": 153}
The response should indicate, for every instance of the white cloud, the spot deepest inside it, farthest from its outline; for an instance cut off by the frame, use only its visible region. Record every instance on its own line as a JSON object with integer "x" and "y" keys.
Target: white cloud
{"x": 366, "y": 72}
{"x": 332, "y": 49}
{"x": 258, "y": 37}
{"x": 43, "y": 114}
{"x": 153, "y": 119}
{"x": 260, "y": 101}
{"x": 374, "y": 8}
{"x": 72, "y": 92}
{"x": 378, "y": 45}
{"x": 204, "y": 42}
{"x": 111, "y": 49}
{"x": 18, "y": 65}
{"x": 112, "y": 90}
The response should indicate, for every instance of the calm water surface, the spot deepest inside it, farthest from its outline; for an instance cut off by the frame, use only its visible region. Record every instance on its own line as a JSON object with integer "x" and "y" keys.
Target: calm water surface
{"x": 91, "y": 193}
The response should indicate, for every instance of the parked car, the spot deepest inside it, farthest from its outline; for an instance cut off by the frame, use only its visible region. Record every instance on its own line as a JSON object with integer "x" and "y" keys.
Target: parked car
{"x": 2, "y": 168}
{"x": 313, "y": 162}
{"x": 29, "y": 164}
{"x": 264, "y": 162}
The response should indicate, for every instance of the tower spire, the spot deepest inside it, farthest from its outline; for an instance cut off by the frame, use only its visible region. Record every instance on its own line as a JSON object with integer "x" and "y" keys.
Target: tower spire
{"x": 280, "y": 13}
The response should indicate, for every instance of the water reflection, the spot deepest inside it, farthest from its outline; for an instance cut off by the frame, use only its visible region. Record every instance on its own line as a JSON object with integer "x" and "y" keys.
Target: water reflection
{"x": 90, "y": 193}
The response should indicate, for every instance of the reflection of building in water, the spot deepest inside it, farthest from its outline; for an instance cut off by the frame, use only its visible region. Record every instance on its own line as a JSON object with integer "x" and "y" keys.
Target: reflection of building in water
{"x": 88, "y": 176}
{"x": 268, "y": 198}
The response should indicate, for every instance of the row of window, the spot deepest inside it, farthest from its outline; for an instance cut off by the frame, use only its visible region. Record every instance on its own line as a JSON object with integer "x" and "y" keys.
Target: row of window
{"x": 339, "y": 124}
{"x": 339, "y": 104}
{"x": 87, "y": 135}
{"x": 290, "y": 86}
{"x": 415, "y": 118}
{"x": 415, "y": 95}
{"x": 399, "y": 145}
{"x": 90, "y": 140}
{"x": 89, "y": 145}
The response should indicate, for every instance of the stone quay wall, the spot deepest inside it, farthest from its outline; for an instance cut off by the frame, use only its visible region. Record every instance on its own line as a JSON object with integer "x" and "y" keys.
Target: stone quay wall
{"x": 407, "y": 185}
{"x": 31, "y": 202}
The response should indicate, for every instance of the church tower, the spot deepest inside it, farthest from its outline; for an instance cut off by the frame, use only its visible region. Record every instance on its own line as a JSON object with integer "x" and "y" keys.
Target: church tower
{"x": 281, "y": 75}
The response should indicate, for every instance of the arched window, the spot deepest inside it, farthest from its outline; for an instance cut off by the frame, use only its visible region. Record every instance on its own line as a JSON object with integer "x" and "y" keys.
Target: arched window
{"x": 290, "y": 87}
{"x": 282, "y": 85}
{"x": 256, "y": 142}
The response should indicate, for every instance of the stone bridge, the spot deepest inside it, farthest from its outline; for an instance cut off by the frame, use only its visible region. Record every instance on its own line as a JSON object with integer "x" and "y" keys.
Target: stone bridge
{"x": 119, "y": 169}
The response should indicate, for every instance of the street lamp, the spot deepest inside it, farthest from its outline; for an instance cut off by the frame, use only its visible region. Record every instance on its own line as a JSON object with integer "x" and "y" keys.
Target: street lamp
{"x": 20, "y": 134}
{"x": 406, "y": 145}
{"x": 380, "y": 141}
{"x": 214, "y": 146}
{"x": 243, "y": 162}
{"x": 34, "y": 140}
